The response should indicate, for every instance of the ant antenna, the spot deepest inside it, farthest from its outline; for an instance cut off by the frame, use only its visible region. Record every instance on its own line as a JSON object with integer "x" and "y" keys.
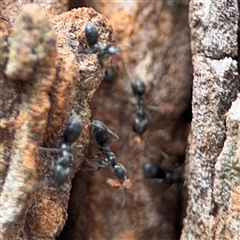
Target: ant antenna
{"x": 124, "y": 194}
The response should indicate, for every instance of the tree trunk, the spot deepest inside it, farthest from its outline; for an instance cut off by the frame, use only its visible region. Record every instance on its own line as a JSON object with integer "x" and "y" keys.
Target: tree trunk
{"x": 154, "y": 37}
{"x": 44, "y": 79}
{"x": 41, "y": 83}
{"x": 213, "y": 161}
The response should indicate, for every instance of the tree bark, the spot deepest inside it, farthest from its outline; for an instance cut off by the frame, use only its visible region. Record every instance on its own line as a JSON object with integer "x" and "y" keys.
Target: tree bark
{"x": 41, "y": 83}
{"x": 152, "y": 208}
{"x": 213, "y": 182}
{"x": 43, "y": 79}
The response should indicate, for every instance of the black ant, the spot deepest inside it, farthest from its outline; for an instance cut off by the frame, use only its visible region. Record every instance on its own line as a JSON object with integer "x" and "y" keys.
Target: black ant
{"x": 140, "y": 123}
{"x": 153, "y": 170}
{"x": 72, "y": 130}
{"x": 139, "y": 89}
{"x": 71, "y": 133}
{"x": 61, "y": 171}
{"x": 102, "y": 135}
{"x": 91, "y": 35}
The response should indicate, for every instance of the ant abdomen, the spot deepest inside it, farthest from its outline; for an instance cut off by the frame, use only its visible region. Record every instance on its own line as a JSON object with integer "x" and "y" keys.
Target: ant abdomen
{"x": 101, "y": 133}
{"x": 72, "y": 130}
{"x": 110, "y": 75}
{"x": 120, "y": 172}
{"x": 91, "y": 34}
{"x": 140, "y": 125}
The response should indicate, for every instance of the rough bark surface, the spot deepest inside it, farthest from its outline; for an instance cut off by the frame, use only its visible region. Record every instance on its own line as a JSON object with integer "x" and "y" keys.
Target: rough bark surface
{"x": 11, "y": 8}
{"x": 42, "y": 79}
{"x": 213, "y": 161}
{"x": 155, "y": 38}
{"x": 41, "y": 82}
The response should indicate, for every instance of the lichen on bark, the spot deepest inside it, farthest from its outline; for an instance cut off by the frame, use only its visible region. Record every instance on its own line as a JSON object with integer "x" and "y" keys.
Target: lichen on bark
{"x": 227, "y": 182}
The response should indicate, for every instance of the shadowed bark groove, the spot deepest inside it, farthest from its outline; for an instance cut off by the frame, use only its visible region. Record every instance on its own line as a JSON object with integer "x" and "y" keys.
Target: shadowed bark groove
{"x": 154, "y": 37}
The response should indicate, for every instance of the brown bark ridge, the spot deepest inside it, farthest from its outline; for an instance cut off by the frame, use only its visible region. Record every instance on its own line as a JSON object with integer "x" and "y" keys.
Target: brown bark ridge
{"x": 11, "y": 8}
{"x": 154, "y": 36}
{"x": 42, "y": 80}
{"x": 213, "y": 161}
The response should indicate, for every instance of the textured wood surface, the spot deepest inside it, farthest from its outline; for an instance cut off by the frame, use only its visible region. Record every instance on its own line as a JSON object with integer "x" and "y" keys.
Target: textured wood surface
{"x": 41, "y": 84}
{"x": 43, "y": 79}
{"x": 213, "y": 155}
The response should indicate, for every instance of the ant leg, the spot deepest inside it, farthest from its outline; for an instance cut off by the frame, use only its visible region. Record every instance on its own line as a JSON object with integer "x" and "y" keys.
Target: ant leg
{"x": 99, "y": 165}
{"x": 100, "y": 60}
{"x": 97, "y": 155}
{"x": 124, "y": 193}
{"x": 92, "y": 165}
{"x": 52, "y": 165}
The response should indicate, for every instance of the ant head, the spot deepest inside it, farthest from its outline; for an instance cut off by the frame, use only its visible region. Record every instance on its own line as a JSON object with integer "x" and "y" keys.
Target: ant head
{"x": 110, "y": 75}
{"x": 101, "y": 133}
{"x": 91, "y": 34}
{"x": 139, "y": 87}
{"x": 140, "y": 125}
{"x": 152, "y": 170}
{"x": 60, "y": 174}
{"x": 120, "y": 172}
{"x": 72, "y": 130}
